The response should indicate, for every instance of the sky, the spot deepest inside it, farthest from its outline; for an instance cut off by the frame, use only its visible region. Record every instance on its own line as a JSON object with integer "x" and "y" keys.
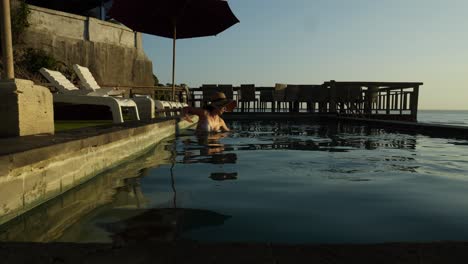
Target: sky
{"x": 312, "y": 41}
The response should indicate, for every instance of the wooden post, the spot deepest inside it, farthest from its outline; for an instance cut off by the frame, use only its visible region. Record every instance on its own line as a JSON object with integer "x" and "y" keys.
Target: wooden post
{"x": 332, "y": 88}
{"x": 379, "y": 102}
{"x": 395, "y": 102}
{"x": 387, "y": 111}
{"x": 414, "y": 103}
{"x": 7, "y": 45}
{"x": 402, "y": 95}
{"x": 405, "y": 103}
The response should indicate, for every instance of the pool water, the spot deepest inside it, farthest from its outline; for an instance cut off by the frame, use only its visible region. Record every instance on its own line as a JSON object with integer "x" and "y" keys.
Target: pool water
{"x": 286, "y": 182}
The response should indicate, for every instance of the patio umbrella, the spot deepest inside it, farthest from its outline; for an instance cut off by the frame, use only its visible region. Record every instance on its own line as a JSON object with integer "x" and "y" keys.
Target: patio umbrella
{"x": 176, "y": 19}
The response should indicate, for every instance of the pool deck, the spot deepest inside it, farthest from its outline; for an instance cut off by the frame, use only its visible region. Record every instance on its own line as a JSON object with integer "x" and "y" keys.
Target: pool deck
{"x": 206, "y": 253}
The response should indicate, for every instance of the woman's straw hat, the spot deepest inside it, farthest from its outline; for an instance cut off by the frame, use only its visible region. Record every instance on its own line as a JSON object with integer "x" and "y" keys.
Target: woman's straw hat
{"x": 219, "y": 100}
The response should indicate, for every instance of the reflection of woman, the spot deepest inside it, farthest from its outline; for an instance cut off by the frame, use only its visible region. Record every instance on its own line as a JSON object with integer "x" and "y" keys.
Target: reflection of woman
{"x": 211, "y": 150}
{"x": 211, "y": 143}
{"x": 210, "y": 116}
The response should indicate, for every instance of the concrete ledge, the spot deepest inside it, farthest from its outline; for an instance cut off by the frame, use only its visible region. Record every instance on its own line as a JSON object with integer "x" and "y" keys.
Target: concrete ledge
{"x": 191, "y": 252}
{"x": 31, "y": 174}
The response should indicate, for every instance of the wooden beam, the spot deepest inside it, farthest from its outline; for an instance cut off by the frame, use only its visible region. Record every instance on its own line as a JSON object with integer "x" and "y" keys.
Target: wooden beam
{"x": 379, "y": 84}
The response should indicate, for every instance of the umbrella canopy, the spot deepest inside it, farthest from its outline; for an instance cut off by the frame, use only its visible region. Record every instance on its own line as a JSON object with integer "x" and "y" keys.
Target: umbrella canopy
{"x": 176, "y": 19}
{"x": 192, "y": 18}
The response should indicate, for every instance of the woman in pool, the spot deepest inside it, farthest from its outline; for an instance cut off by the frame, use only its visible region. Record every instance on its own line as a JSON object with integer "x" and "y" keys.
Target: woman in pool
{"x": 209, "y": 117}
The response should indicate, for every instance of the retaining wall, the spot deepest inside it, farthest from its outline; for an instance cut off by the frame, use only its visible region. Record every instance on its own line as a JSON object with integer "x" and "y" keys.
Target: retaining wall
{"x": 112, "y": 52}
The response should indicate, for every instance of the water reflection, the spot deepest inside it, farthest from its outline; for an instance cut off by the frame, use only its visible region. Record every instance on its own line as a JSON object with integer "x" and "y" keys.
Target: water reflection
{"x": 119, "y": 188}
{"x": 166, "y": 224}
{"x": 207, "y": 149}
{"x": 330, "y": 136}
{"x": 113, "y": 208}
{"x": 222, "y": 176}
{"x": 130, "y": 194}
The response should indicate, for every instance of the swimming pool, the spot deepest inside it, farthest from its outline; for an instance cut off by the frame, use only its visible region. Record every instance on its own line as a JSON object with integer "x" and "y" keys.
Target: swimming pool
{"x": 282, "y": 182}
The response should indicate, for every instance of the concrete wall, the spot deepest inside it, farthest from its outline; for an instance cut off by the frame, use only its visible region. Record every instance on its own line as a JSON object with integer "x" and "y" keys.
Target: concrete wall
{"x": 25, "y": 109}
{"x": 113, "y": 52}
{"x": 32, "y": 177}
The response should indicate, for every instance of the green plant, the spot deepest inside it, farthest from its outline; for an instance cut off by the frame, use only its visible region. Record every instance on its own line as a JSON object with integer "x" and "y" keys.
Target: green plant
{"x": 33, "y": 60}
{"x": 19, "y": 20}
{"x": 156, "y": 80}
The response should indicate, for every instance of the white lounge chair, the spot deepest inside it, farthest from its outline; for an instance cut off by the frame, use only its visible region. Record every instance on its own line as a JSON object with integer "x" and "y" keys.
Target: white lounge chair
{"x": 164, "y": 108}
{"x": 69, "y": 93}
{"x": 176, "y": 108}
{"x": 145, "y": 104}
{"x": 87, "y": 82}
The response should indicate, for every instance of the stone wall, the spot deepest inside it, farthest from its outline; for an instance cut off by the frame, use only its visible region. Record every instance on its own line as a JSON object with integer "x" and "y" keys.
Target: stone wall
{"x": 112, "y": 52}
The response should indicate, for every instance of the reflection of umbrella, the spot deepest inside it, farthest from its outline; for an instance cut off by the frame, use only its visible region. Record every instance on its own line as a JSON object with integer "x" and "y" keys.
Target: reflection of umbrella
{"x": 175, "y": 19}
{"x": 163, "y": 224}
{"x": 222, "y": 176}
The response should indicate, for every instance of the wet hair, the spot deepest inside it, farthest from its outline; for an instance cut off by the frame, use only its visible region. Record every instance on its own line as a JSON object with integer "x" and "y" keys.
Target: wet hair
{"x": 209, "y": 108}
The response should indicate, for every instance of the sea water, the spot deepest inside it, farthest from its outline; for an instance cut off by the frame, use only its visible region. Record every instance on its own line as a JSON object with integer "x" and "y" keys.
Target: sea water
{"x": 444, "y": 117}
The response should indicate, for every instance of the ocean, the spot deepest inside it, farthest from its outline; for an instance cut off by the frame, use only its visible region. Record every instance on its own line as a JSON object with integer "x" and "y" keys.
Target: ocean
{"x": 444, "y": 117}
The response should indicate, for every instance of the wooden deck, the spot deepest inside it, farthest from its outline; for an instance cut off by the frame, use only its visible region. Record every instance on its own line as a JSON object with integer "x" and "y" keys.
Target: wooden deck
{"x": 369, "y": 100}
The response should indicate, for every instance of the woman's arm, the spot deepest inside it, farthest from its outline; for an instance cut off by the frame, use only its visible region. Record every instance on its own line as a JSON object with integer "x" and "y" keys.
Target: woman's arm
{"x": 186, "y": 111}
{"x": 193, "y": 111}
{"x": 223, "y": 126}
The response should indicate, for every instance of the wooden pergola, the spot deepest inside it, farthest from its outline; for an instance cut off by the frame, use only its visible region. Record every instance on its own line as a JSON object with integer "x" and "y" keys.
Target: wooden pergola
{"x": 379, "y": 97}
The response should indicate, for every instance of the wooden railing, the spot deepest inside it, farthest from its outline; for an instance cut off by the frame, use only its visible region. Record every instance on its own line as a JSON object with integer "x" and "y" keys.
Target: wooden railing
{"x": 381, "y": 100}
{"x": 156, "y": 92}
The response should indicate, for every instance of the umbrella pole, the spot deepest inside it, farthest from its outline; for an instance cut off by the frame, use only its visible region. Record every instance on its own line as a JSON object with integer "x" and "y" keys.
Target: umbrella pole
{"x": 173, "y": 62}
{"x": 7, "y": 46}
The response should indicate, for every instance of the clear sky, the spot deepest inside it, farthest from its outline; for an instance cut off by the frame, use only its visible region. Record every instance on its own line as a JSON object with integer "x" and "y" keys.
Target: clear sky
{"x": 312, "y": 41}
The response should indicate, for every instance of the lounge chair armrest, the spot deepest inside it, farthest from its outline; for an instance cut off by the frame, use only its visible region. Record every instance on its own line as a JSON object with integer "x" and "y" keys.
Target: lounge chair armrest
{"x": 110, "y": 87}
{"x": 109, "y": 91}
